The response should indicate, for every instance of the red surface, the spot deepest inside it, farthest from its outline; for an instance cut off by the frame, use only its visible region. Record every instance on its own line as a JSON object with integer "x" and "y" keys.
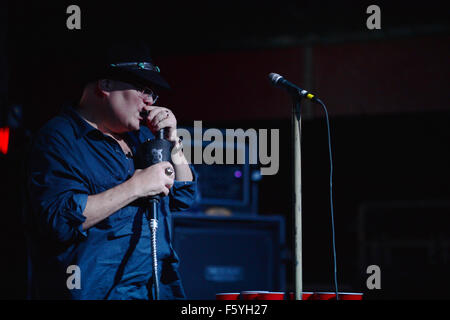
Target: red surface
{"x": 383, "y": 77}
{"x": 404, "y": 75}
{"x": 271, "y": 296}
{"x": 352, "y": 78}
{"x": 230, "y": 85}
{"x": 4, "y": 140}
{"x": 227, "y": 296}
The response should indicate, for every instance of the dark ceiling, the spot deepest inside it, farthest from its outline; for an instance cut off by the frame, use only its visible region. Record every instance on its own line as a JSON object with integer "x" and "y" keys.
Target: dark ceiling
{"x": 192, "y": 26}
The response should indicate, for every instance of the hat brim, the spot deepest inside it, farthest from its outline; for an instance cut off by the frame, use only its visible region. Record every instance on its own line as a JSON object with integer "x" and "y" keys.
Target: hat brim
{"x": 148, "y": 77}
{"x": 144, "y": 77}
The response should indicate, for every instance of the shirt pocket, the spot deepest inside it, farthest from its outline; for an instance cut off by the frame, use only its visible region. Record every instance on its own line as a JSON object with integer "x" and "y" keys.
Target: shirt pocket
{"x": 109, "y": 174}
{"x": 125, "y": 222}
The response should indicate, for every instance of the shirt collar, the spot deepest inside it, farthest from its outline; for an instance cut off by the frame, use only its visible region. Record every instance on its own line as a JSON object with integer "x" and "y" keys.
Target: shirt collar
{"x": 82, "y": 127}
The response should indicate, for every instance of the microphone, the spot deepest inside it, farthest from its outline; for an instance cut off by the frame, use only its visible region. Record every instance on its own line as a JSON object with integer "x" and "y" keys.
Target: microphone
{"x": 149, "y": 153}
{"x": 279, "y": 81}
{"x": 153, "y": 151}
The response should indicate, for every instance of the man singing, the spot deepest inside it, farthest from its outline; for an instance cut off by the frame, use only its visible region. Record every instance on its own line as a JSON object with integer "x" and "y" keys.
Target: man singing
{"x": 85, "y": 192}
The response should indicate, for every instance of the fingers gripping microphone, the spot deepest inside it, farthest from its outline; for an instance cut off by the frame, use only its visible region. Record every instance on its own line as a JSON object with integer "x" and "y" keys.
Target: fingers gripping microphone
{"x": 279, "y": 81}
{"x": 154, "y": 151}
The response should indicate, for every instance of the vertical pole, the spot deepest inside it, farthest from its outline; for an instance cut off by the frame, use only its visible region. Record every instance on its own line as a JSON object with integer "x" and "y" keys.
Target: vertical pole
{"x": 297, "y": 207}
{"x": 307, "y": 106}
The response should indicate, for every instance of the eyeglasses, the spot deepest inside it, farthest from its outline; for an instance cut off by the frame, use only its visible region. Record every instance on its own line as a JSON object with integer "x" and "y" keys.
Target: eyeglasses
{"x": 146, "y": 91}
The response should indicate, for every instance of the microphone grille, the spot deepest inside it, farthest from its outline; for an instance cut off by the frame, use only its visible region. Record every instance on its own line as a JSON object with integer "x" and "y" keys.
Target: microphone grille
{"x": 274, "y": 77}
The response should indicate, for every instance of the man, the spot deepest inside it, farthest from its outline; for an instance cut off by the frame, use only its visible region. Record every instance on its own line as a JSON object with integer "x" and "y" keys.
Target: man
{"x": 91, "y": 237}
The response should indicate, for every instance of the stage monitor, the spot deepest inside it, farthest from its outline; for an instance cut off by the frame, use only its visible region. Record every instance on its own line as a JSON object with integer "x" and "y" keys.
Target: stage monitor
{"x": 229, "y": 254}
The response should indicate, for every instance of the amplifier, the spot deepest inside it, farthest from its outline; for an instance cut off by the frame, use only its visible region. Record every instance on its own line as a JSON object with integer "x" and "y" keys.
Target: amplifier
{"x": 228, "y": 180}
{"x": 410, "y": 243}
{"x": 229, "y": 254}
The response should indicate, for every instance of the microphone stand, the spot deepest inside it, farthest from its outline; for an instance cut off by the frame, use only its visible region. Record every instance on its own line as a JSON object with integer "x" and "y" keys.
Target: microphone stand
{"x": 296, "y": 95}
{"x": 297, "y": 203}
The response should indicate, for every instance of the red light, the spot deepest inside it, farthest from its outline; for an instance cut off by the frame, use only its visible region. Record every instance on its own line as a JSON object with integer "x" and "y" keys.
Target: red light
{"x": 4, "y": 140}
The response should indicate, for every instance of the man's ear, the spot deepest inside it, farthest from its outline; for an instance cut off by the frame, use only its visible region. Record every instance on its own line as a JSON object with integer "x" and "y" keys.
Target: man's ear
{"x": 103, "y": 87}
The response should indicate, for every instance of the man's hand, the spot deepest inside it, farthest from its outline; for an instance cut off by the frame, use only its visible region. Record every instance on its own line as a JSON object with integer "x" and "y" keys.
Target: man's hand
{"x": 160, "y": 117}
{"x": 152, "y": 180}
{"x": 144, "y": 182}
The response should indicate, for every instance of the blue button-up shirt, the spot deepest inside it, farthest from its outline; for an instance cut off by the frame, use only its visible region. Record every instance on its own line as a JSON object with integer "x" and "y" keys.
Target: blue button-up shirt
{"x": 71, "y": 160}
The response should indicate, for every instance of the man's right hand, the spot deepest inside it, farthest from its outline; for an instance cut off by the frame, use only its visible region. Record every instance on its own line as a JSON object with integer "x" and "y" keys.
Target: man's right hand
{"x": 144, "y": 182}
{"x": 153, "y": 180}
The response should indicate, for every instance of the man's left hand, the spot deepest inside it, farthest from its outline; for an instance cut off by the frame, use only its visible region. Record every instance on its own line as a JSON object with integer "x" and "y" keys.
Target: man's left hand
{"x": 160, "y": 117}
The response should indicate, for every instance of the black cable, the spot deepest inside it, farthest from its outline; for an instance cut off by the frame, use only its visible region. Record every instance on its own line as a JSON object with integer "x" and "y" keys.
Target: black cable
{"x": 331, "y": 198}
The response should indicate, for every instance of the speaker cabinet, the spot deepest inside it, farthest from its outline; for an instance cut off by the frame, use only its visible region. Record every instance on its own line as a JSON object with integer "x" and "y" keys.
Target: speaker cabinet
{"x": 409, "y": 242}
{"x": 229, "y": 254}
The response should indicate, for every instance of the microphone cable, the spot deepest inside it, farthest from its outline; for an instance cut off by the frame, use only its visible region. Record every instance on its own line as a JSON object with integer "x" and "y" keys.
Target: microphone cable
{"x": 331, "y": 198}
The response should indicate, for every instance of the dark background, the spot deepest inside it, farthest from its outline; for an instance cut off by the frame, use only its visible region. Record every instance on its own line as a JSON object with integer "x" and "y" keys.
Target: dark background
{"x": 386, "y": 92}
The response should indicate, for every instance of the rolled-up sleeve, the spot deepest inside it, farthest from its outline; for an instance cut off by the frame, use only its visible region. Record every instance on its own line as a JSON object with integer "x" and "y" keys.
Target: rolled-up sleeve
{"x": 57, "y": 191}
{"x": 183, "y": 193}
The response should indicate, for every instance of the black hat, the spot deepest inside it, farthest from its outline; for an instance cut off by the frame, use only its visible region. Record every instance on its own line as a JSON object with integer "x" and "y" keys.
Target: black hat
{"x": 127, "y": 61}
